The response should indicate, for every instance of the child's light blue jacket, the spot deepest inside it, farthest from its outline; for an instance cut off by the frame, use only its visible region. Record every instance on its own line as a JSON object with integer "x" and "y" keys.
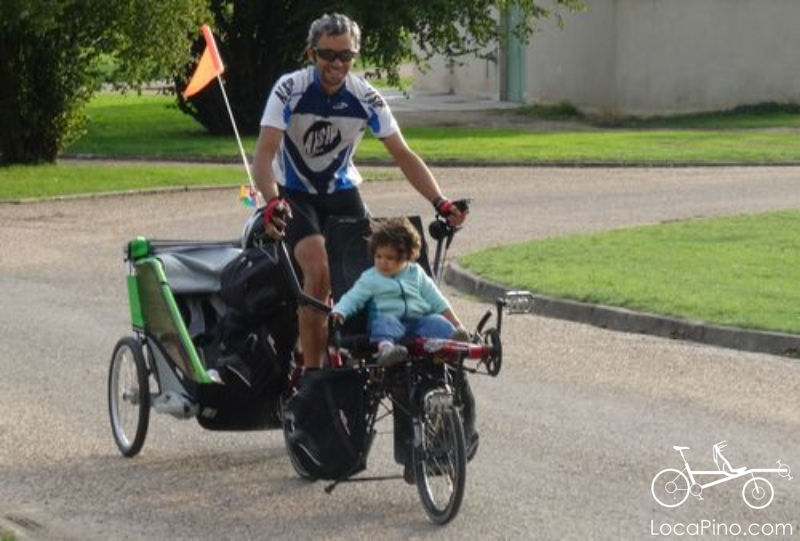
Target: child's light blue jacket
{"x": 410, "y": 294}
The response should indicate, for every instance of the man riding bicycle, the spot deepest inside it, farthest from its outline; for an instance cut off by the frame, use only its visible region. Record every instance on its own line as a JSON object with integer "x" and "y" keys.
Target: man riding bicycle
{"x": 303, "y": 164}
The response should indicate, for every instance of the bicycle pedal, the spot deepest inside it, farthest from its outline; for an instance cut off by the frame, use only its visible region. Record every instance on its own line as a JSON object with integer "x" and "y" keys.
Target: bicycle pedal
{"x": 519, "y": 302}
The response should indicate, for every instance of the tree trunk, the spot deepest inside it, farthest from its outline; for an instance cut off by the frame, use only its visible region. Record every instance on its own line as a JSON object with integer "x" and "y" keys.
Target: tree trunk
{"x": 259, "y": 42}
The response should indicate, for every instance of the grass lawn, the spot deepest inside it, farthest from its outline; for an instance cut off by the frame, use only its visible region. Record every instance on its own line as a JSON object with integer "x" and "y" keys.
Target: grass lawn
{"x": 732, "y": 271}
{"x": 26, "y": 182}
{"x": 150, "y": 125}
{"x": 739, "y": 271}
{"x": 33, "y": 182}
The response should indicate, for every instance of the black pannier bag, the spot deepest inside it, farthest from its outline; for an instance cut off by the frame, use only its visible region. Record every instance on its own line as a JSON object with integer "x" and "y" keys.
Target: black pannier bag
{"x": 329, "y": 435}
{"x": 254, "y": 283}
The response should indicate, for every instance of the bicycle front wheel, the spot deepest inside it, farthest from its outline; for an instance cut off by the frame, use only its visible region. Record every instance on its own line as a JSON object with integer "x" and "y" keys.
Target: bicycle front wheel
{"x": 758, "y": 493}
{"x": 670, "y": 488}
{"x": 439, "y": 457}
{"x": 129, "y": 396}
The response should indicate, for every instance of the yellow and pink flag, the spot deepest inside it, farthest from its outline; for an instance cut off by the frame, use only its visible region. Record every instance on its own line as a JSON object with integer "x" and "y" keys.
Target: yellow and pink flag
{"x": 248, "y": 196}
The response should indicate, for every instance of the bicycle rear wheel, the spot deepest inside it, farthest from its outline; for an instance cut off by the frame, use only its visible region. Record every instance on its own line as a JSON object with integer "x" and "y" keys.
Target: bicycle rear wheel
{"x": 129, "y": 396}
{"x": 670, "y": 488}
{"x": 439, "y": 457}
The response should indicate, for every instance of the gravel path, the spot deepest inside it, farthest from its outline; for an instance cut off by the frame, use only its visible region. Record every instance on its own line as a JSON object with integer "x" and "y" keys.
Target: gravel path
{"x": 573, "y": 431}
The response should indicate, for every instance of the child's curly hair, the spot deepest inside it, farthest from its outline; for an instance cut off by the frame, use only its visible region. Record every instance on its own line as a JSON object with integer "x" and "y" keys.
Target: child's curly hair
{"x": 399, "y": 233}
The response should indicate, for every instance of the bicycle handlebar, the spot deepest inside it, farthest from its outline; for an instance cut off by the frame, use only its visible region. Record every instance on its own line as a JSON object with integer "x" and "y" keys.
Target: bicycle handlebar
{"x": 441, "y": 228}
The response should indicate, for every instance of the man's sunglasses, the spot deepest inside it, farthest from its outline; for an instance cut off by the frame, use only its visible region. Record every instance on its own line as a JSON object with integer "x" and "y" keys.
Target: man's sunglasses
{"x": 329, "y": 55}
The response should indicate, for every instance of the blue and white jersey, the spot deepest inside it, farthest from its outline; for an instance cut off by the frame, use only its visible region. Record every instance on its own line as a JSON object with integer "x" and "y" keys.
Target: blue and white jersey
{"x": 321, "y": 131}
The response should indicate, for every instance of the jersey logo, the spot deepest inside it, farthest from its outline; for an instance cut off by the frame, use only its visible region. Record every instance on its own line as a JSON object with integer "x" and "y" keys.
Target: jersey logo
{"x": 284, "y": 90}
{"x": 321, "y": 138}
{"x": 374, "y": 99}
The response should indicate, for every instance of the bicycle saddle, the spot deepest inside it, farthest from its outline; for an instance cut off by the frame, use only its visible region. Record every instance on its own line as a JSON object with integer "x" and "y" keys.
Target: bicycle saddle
{"x": 679, "y": 448}
{"x": 734, "y": 471}
{"x": 718, "y": 454}
{"x": 731, "y": 469}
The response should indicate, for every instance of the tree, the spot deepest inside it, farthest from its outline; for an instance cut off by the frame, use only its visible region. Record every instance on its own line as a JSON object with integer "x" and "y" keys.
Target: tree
{"x": 49, "y": 52}
{"x": 261, "y": 39}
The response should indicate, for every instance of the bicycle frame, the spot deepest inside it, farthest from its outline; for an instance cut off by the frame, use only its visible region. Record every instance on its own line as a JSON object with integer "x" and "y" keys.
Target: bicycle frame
{"x": 671, "y": 487}
{"x": 728, "y": 476}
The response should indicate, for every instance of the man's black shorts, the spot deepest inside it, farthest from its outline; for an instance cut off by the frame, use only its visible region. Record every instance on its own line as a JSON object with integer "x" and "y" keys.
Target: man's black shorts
{"x": 311, "y": 211}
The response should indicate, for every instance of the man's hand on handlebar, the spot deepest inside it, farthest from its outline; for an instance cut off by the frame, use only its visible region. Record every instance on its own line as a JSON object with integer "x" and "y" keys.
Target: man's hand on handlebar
{"x": 276, "y": 215}
{"x": 455, "y": 212}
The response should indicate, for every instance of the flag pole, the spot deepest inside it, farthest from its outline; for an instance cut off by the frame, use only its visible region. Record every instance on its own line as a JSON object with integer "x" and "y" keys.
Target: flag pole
{"x": 238, "y": 138}
{"x": 209, "y": 67}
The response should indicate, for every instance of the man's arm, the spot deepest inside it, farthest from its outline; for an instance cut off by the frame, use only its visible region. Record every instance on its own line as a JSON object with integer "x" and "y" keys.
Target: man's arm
{"x": 269, "y": 141}
{"x": 417, "y": 173}
{"x": 412, "y": 166}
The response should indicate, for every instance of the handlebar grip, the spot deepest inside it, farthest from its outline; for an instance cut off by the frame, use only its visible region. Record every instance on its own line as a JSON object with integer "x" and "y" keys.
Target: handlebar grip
{"x": 281, "y": 211}
{"x": 277, "y": 207}
{"x": 463, "y": 204}
{"x": 444, "y": 206}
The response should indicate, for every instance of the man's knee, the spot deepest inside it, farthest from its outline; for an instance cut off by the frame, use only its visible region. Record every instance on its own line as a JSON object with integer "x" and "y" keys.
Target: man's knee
{"x": 313, "y": 260}
{"x": 317, "y": 283}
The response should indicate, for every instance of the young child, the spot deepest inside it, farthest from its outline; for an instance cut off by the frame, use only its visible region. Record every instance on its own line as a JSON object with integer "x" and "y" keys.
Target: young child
{"x": 400, "y": 298}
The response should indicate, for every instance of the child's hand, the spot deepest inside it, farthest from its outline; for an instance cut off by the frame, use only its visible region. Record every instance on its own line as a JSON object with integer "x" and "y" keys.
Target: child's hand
{"x": 336, "y": 318}
{"x": 461, "y": 335}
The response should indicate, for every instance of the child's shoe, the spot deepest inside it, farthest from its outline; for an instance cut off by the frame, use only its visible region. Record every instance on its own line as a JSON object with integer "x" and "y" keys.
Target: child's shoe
{"x": 460, "y": 335}
{"x": 390, "y": 354}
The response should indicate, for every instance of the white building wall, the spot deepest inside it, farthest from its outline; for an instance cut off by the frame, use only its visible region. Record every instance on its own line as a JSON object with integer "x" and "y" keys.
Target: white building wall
{"x": 473, "y": 77}
{"x": 575, "y": 64}
{"x": 648, "y": 57}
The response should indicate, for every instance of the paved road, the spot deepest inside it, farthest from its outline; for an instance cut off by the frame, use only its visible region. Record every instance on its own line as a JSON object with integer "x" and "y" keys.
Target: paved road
{"x": 573, "y": 431}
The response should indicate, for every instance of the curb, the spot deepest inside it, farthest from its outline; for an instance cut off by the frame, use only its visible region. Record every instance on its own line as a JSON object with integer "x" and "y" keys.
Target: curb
{"x": 444, "y": 163}
{"x": 117, "y": 193}
{"x": 621, "y": 319}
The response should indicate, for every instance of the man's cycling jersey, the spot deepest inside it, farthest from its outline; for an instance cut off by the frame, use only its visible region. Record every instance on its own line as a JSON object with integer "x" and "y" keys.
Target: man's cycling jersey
{"x": 321, "y": 131}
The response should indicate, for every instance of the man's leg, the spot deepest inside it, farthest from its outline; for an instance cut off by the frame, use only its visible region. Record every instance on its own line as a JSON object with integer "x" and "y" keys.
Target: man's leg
{"x": 313, "y": 260}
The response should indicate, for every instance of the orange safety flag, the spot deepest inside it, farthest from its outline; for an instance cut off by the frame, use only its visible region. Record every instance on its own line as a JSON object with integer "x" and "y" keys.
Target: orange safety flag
{"x": 209, "y": 67}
